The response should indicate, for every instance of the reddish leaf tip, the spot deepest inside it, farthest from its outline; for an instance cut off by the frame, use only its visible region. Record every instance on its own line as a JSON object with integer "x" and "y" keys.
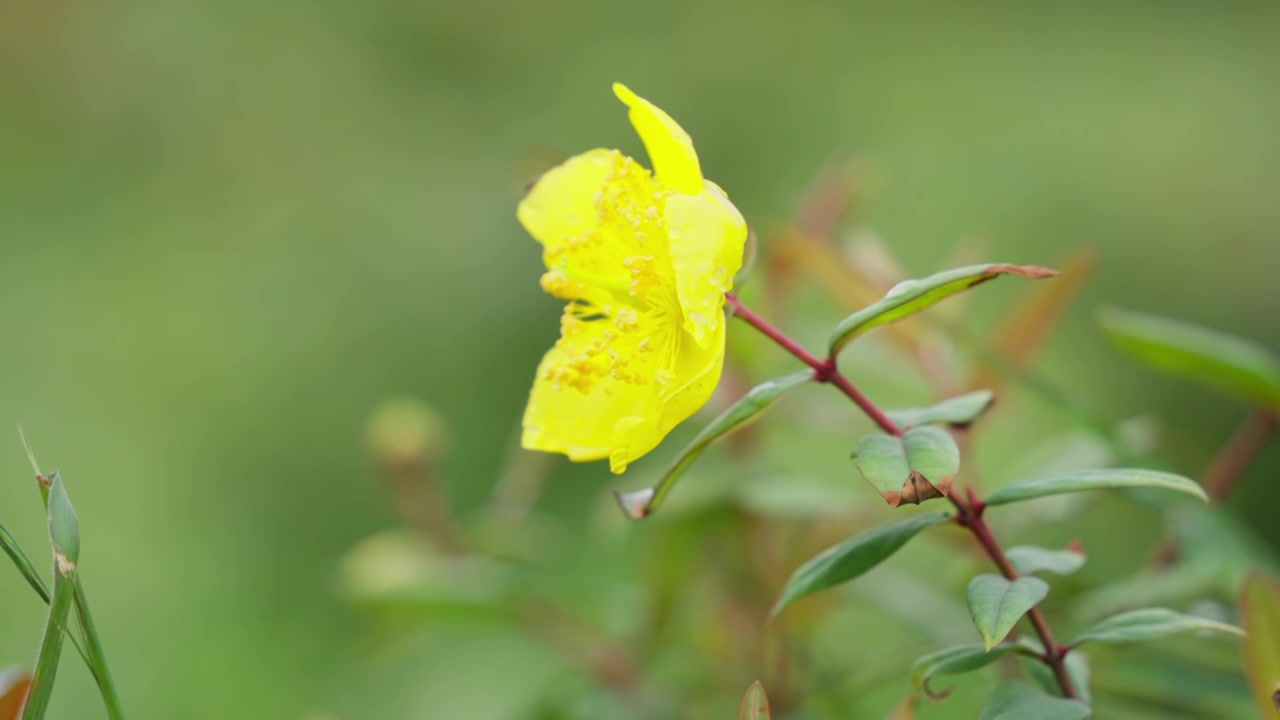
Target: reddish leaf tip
{"x": 1035, "y": 272}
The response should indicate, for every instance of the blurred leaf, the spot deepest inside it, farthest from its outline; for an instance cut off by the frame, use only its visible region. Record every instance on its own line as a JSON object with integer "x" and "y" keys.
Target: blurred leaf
{"x": 396, "y": 570}
{"x": 952, "y": 661}
{"x": 905, "y": 709}
{"x": 14, "y": 684}
{"x": 1231, "y": 364}
{"x": 1020, "y": 701}
{"x": 1194, "y": 577}
{"x": 997, "y": 603}
{"x": 1149, "y": 624}
{"x": 913, "y": 468}
{"x": 1032, "y": 319}
{"x": 1081, "y": 480}
{"x": 912, "y": 296}
{"x": 1028, "y": 559}
{"x": 1260, "y": 614}
{"x": 960, "y": 410}
{"x": 798, "y": 496}
{"x": 846, "y": 561}
{"x": 64, "y": 532}
{"x": 755, "y": 706}
{"x": 641, "y": 503}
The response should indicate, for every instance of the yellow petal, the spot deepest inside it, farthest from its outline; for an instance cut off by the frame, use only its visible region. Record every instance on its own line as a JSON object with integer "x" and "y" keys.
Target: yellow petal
{"x": 697, "y": 371}
{"x": 670, "y": 148}
{"x": 562, "y": 204}
{"x": 563, "y": 418}
{"x": 707, "y": 237}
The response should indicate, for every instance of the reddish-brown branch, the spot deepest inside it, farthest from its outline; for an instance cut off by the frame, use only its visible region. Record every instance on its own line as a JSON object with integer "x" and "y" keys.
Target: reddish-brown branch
{"x": 969, "y": 513}
{"x": 1236, "y": 455}
{"x": 823, "y": 370}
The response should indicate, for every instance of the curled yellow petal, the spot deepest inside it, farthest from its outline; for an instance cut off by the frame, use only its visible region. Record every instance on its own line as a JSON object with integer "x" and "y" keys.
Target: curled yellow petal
{"x": 670, "y": 147}
{"x": 707, "y": 238}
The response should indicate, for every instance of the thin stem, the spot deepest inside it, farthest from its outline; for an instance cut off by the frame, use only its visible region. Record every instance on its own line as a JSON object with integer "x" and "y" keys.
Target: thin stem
{"x": 1054, "y": 654}
{"x": 969, "y": 513}
{"x": 1235, "y": 456}
{"x": 110, "y": 695}
{"x": 823, "y": 370}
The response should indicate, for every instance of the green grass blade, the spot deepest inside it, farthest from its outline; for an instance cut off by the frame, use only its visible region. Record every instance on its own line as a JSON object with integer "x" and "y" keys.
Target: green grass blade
{"x": 23, "y": 563}
{"x": 51, "y": 647}
{"x": 97, "y": 660}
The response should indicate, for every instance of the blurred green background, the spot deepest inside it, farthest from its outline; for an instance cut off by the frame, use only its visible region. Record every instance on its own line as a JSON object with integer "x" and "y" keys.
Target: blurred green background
{"x": 231, "y": 230}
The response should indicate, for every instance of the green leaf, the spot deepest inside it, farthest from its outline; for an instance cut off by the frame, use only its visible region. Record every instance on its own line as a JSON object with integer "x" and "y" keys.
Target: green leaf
{"x": 23, "y": 563}
{"x": 912, "y": 296}
{"x": 64, "y": 526}
{"x": 1020, "y": 701}
{"x": 1260, "y": 613}
{"x": 954, "y": 660}
{"x": 1231, "y": 364}
{"x": 996, "y": 603}
{"x": 755, "y": 706}
{"x": 1081, "y": 480}
{"x": 640, "y": 504}
{"x": 959, "y": 411}
{"x": 913, "y": 468}
{"x": 851, "y": 558}
{"x": 1149, "y": 624}
{"x": 1028, "y": 559}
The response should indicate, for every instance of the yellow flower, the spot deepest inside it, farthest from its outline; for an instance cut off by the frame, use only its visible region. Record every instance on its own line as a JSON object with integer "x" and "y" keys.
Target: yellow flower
{"x": 644, "y": 260}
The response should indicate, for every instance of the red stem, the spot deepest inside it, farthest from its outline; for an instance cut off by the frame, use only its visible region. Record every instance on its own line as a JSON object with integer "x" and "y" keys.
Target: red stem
{"x": 823, "y": 370}
{"x": 969, "y": 514}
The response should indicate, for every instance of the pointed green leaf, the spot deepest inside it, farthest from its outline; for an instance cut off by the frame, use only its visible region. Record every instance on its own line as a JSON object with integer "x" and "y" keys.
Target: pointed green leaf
{"x": 639, "y": 504}
{"x": 64, "y": 526}
{"x": 23, "y": 563}
{"x": 911, "y": 296}
{"x": 1231, "y": 364}
{"x": 1020, "y": 701}
{"x": 996, "y": 603}
{"x": 1108, "y": 479}
{"x": 1260, "y": 613}
{"x": 1149, "y": 624}
{"x": 755, "y": 706}
{"x": 846, "y": 561}
{"x": 910, "y": 469}
{"x": 952, "y": 661}
{"x": 1028, "y": 559}
{"x": 959, "y": 411}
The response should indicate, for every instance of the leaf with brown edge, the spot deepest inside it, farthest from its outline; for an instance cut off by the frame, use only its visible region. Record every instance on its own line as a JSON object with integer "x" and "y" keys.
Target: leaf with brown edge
{"x": 912, "y": 296}
{"x": 755, "y": 705}
{"x": 918, "y": 466}
{"x": 14, "y": 685}
{"x": 1260, "y": 615}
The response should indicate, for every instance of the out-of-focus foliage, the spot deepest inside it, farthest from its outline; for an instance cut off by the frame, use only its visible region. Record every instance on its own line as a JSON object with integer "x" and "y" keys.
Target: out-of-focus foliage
{"x": 233, "y": 230}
